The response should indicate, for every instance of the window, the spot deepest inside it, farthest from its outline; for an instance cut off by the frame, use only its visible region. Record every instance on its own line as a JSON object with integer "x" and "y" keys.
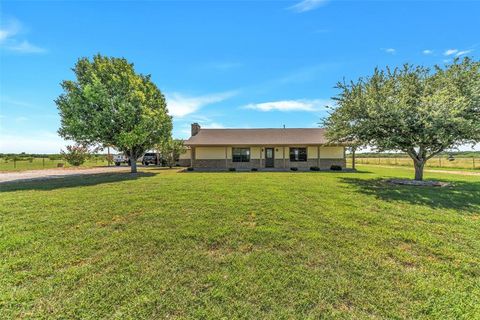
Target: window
{"x": 298, "y": 154}
{"x": 241, "y": 154}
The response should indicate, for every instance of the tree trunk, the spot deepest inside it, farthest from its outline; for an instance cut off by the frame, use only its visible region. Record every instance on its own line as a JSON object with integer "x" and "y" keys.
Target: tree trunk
{"x": 133, "y": 165}
{"x": 419, "y": 169}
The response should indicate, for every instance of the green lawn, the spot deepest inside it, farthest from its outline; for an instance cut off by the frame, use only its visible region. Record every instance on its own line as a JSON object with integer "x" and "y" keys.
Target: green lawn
{"x": 240, "y": 245}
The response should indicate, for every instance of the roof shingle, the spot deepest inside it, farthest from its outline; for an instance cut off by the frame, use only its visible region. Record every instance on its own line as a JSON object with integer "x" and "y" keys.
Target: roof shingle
{"x": 273, "y": 137}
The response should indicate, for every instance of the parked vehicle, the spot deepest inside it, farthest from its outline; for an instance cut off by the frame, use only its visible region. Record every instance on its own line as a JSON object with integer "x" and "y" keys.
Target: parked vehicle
{"x": 150, "y": 158}
{"x": 119, "y": 159}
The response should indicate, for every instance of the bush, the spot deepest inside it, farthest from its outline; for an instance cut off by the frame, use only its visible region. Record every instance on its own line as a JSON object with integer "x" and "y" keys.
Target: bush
{"x": 314, "y": 168}
{"x": 335, "y": 167}
{"x": 232, "y": 169}
{"x": 254, "y": 169}
{"x": 190, "y": 169}
{"x": 294, "y": 169}
{"x": 75, "y": 155}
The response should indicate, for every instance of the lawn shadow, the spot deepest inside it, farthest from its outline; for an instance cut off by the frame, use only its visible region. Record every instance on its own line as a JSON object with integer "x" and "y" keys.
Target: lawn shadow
{"x": 60, "y": 182}
{"x": 462, "y": 195}
{"x": 263, "y": 170}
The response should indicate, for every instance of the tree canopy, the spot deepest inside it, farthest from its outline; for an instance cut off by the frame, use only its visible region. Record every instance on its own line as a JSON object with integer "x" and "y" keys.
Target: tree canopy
{"x": 110, "y": 104}
{"x": 414, "y": 109}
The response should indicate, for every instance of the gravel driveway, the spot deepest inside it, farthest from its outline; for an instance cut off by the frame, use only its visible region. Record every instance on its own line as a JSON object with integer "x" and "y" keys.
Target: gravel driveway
{"x": 55, "y": 173}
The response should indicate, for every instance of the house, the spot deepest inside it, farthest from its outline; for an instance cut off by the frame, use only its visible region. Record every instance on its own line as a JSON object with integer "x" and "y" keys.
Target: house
{"x": 221, "y": 149}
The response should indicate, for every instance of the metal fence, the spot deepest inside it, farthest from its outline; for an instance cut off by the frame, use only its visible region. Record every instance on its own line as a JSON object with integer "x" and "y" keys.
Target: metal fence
{"x": 20, "y": 164}
{"x": 435, "y": 162}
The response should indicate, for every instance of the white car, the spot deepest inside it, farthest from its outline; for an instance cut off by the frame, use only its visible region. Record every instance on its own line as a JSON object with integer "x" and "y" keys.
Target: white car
{"x": 119, "y": 159}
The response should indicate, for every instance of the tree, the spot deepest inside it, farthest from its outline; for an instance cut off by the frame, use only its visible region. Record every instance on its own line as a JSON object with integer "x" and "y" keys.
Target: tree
{"x": 76, "y": 154}
{"x": 110, "y": 104}
{"x": 170, "y": 150}
{"x": 414, "y": 109}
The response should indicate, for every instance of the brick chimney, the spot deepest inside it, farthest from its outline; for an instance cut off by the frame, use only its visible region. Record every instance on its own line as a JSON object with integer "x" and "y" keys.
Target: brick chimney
{"x": 195, "y": 129}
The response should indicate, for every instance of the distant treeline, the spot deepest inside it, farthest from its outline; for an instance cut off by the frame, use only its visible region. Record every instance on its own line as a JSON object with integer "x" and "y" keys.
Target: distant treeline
{"x": 457, "y": 154}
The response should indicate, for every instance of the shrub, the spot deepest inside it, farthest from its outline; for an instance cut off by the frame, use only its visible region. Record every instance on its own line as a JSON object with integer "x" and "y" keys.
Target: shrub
{"x": 190, "y": 169}
{"x": 254, "y": 169}
{"x": 314, "y": 168}
{"x": 335, "y": 167}
{"x": 75, "y": 155}
{"x": 232, "y": 169}
{"x": 294, "y": 168}
{"x": 109, "y": 158}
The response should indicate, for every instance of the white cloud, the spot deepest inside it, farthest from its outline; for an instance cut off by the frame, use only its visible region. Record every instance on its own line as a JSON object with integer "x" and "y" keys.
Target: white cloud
{"x": 290, "y": 105}
{"x": 25, "y": 47}
{"x": 461, "y": 53}
{"x": 212, "y": 125}
{"x": 182, "y": 127}
{"x": 5, "y": 100}
{"x": 390, "y": 50}
{"x": 427, "y": 52}
{"x": 180, "y": 105}
{"x": 10, "y": 40}
{"x": 456, "y": 52}
{"x": 32, "y": 142}
{"x": 9, "y": 29}
{"x": 307, "y": 5}
{"x": 21, "y": 119}
{"x": 449, "y": 52}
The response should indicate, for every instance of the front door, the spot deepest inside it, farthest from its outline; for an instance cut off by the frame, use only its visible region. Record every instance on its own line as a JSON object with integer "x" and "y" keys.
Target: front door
{"x": 269, "y": 157}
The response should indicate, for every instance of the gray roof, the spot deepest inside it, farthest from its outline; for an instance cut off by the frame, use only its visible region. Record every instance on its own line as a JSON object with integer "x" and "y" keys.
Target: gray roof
{"x": 268, "y": 137}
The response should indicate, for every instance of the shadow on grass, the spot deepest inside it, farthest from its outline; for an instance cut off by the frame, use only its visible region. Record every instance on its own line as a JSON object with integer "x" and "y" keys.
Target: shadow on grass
{"x": 261, "y": 171}
{"x": 462, "y": 195}
{"x": 61, "y": 182}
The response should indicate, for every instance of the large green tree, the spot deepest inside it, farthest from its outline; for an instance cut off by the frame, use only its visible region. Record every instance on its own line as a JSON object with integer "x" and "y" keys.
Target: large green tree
{"x": 110, "y": 104}
{"x": 414, "y": 109}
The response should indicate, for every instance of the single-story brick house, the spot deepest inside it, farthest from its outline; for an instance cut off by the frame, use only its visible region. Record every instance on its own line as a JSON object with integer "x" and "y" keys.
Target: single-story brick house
{"x": 261, "y": 148}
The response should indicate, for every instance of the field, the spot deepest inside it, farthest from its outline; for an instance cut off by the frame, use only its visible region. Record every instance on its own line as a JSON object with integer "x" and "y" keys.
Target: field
{"x": 163, "y": 244}
{"x": 471, "y": 163}
{"x": 44, "y": 163}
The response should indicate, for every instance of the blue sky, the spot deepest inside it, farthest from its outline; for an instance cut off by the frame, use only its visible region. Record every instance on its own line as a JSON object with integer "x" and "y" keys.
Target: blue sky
{"x": 219, "y": 63}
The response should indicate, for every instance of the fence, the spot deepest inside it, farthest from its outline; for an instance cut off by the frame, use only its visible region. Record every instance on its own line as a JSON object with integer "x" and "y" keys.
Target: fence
{"x": 435, "y": 162}
{"x": 21, "y": 164}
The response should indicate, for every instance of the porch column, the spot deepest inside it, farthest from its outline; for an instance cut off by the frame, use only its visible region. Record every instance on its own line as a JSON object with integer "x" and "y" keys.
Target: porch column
{"x": 353, "y": 158}
{"x": 261, "y": 156}
{"x": 284, "y": 166}
{"x": 319, "y": 161}
{"x": 192, "y": 149}
{"x": 226, "y": 160}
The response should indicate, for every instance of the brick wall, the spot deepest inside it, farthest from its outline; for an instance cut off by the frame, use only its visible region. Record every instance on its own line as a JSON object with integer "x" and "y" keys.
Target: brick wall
{"x": 255, "y": 163}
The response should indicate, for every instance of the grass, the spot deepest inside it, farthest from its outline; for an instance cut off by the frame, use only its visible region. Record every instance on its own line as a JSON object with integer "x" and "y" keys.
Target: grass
{"x": 163, "y": 244}
{"x": 43, "y": 163}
